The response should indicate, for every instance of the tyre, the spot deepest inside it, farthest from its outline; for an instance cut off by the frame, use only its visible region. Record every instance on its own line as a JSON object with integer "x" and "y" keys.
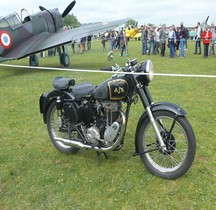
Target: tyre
{"x": 180, "y": 142}
{"x": 65, "y": 61}
{"x": 63, "y": 132}
{"x": 33, "y": 60}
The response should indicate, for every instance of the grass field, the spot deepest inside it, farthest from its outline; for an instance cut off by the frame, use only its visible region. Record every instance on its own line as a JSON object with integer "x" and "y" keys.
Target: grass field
{"x": 34, "y": 175}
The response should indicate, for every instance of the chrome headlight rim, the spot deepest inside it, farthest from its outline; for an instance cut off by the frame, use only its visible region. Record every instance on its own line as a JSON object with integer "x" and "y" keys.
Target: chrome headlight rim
{"x": 149, "y": 70}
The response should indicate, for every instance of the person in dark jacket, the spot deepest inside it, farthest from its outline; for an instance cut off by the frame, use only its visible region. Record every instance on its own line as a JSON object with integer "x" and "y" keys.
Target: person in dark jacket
{"x": 177, "y": 41}
{"x": 89, "y": 39}
{"x": 144, "y": 39}
{"x": 162, "y": 37}
{"x": 183, "y": 37}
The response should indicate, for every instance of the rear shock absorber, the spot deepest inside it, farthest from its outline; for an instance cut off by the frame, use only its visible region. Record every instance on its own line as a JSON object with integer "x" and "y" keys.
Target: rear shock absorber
{"x": 59, "y": 111}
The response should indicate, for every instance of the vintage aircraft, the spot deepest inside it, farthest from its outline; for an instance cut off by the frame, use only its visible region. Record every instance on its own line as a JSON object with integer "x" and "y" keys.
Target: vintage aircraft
{"x": 133, "y": 32}
{"x": 25, "y": 36}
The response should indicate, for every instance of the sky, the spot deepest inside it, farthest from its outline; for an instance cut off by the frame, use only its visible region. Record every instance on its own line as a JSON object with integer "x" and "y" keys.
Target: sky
{"x": 144, "y": 11}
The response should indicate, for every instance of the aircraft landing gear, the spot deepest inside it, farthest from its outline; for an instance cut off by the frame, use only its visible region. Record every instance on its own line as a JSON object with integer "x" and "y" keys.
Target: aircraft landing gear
{"x": 65, "y": 60}
{"x": 33, "y": 60}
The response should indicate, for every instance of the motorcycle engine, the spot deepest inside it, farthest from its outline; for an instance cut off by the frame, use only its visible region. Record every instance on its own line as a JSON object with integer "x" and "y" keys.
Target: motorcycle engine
{"x": 111, "y": 132}
{"x": 93, "y": 135}
{"x": 100, "y": 121}
{"x": 107, "y": 125}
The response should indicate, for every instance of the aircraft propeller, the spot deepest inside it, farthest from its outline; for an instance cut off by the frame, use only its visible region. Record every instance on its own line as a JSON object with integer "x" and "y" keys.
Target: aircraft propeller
{"x": 207, "y": 19}
{"x": 66, "y": 11}
{"x": 42, "y": 8}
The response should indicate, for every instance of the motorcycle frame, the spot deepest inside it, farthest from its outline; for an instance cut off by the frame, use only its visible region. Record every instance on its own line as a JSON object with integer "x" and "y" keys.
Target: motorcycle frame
{"x": 145, "y": 97}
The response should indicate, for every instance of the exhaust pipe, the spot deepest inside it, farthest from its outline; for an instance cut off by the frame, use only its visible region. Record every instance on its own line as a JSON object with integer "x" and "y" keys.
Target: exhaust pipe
{"x": 78, "y": 144}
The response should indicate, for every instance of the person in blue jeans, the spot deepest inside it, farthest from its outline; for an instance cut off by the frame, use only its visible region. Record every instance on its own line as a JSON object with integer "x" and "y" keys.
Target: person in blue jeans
{"x": 151, "y": 41}
{"x": 198, "y": 39}
{"x": 183, "y": 36}
{"x": 172, "y": 41}
{"x": 123, "y": 44}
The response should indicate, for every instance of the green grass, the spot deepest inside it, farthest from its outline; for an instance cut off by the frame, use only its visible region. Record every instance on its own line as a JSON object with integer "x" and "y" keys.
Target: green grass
{"x": 34, "y": 175}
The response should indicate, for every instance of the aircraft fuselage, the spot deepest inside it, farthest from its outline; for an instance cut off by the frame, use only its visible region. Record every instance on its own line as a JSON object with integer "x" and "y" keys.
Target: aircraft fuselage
{"x": 13, "y": 31}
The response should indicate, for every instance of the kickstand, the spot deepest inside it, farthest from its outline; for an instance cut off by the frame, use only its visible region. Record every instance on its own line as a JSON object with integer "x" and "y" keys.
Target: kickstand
{"x": 98, "y": 156}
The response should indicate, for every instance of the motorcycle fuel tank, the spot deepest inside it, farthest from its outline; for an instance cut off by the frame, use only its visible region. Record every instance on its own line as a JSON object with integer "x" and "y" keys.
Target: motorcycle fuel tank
{"x": 112, "y": 89}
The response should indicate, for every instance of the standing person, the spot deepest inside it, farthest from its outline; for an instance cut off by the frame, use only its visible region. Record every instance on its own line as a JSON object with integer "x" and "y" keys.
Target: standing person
{"x": 213, "y": 31}
{"x": 177, "y": 41}
{"x": 118, "y": 40}
{"x": 112, "y": 40}
{"x": 162, "y": 38}
{"x": 83, "y": 44}
{"x": 186, "y": 39}
{"x": 206, "y": 37}
{"x": 183, "y": 36}
{"x": 172, "y": 41}
{"x": 124, "y": 44}
{"x": 104, "y": 43}
{"x": 144, "y": 39}
{"x": 198, "y": 39}
{"x": 157, "y": 41}
{"x": 151, "y": 40}
{"x": 73, "y": 46}
{"x": 89, "y": 39}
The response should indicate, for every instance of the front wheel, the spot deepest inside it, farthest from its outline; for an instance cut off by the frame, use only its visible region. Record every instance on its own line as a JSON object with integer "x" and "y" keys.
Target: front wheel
{"x": 180, "y": 142}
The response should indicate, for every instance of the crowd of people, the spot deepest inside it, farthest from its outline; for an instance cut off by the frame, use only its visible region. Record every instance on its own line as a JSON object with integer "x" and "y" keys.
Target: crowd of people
{"x": 156, "y": 40}
{"x": 176, "y": 40}
{"x": 117, "y": 40}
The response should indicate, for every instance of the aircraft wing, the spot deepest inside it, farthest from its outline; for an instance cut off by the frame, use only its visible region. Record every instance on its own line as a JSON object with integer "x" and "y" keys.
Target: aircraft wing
{"x": 45, "y": 40}
{"x": 64, "y": 37}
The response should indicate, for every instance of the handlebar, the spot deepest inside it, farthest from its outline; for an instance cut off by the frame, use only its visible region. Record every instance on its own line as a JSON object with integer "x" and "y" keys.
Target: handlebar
{"x": 113, "y": 68}
{"x": 131, "y": 66}
{"x": 118, "y": 68}
{"x": 107, "y": 69}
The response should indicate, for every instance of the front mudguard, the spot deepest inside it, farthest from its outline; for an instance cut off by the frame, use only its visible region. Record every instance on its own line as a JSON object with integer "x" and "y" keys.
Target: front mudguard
{"x": 46, "y": 99}
{"x": 161, "y": 106}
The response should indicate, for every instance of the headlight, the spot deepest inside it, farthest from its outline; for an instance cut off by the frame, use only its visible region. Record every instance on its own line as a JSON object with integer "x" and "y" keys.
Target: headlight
{"x": 150, "y": 70}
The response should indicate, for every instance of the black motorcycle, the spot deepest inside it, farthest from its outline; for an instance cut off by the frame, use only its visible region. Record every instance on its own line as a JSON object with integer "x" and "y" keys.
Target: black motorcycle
{"x": 95, "y": 117}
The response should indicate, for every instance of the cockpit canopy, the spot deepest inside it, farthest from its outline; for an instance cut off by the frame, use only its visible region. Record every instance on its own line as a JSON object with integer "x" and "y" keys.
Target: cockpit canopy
{"x": 12, "y": 20}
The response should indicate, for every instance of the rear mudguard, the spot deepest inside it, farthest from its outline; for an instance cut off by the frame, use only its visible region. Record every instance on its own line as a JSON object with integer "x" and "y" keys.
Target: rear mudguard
{"x": 47, "y": 98}
{"x": 161, "y": 106}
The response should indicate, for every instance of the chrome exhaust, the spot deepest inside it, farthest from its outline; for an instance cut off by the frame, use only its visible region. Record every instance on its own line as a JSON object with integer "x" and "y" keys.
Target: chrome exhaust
{"x": 78, "y": 144}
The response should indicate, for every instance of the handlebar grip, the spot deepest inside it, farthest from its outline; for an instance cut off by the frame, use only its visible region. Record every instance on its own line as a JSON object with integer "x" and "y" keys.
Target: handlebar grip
{"x": 106, "y": 69}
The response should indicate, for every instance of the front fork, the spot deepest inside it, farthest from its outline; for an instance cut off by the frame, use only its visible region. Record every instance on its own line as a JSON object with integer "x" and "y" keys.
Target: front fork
{"x": 147, "y": 101}
{"x": 157, "y": 131}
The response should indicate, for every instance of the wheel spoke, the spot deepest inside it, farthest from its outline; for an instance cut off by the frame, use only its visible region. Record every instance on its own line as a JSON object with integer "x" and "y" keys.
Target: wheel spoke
{"x": 175, "y": 139}
{"x": 54, "y": 127}
{"x": 179, "y": 139}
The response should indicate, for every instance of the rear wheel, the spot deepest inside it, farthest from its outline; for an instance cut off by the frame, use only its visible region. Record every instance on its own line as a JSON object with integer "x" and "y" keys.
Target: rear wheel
{"x": 56, "y": 132}
{"x": 180, "y": 142}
